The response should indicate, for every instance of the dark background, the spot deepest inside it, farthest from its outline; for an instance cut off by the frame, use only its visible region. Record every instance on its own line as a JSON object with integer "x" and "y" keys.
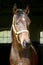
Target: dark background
{"x": 36, "y": 16}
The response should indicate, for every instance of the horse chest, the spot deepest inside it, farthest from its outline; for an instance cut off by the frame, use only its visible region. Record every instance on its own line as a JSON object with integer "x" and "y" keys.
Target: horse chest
{"x": 19, "y": 58}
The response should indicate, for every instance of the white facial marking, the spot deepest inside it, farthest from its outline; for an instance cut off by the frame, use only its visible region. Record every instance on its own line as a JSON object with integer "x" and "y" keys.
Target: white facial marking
{"x": 23, "y": 19}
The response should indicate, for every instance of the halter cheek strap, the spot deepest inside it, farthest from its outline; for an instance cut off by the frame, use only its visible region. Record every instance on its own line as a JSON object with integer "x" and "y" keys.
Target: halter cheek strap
{"x": 17, "y": 33}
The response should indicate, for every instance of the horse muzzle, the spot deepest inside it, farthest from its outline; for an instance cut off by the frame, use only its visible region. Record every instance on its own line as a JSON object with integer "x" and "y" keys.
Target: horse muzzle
{"x": 26, "y": 44}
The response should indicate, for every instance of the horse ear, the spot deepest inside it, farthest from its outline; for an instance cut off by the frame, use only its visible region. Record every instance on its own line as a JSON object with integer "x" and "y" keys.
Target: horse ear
{"x": 29, "y": 21}
{"x": 15, "y": 9}
{"x": 27, "y": 10}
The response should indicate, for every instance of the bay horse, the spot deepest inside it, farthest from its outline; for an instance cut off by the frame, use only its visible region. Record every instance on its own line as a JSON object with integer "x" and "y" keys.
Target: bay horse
{"x": 22, "y": 50}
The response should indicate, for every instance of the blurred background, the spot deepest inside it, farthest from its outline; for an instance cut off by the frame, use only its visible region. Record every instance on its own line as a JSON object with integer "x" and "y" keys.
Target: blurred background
{"x": 36, "y": 27}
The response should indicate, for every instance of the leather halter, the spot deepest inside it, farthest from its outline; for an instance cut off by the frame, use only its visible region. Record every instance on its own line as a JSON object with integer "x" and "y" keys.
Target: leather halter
{"x": 17, "y": 33}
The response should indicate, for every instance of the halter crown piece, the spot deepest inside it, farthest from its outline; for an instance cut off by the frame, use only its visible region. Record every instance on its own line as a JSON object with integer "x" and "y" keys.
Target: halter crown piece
{"x": 17, "y": 33}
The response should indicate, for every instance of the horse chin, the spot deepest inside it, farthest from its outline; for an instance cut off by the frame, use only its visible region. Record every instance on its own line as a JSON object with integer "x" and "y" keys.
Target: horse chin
{"x": 22, "y": 45}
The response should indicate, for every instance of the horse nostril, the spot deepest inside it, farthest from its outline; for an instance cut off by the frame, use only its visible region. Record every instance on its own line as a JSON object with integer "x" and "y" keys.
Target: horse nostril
{"x": 28, "y": 44}
{"x": 24, "y": 43}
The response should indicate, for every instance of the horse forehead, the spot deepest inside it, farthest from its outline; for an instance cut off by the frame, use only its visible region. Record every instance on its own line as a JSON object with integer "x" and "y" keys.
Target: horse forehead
{"x": 21, "y": 13}
{"x": 22, "y": 17}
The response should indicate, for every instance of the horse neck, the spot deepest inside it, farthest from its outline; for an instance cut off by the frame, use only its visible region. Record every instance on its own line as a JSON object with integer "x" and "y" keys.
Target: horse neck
{"x": 16, "y": 45}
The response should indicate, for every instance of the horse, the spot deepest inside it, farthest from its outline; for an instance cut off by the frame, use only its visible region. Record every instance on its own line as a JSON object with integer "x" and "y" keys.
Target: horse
{"x": 22, "y": 51}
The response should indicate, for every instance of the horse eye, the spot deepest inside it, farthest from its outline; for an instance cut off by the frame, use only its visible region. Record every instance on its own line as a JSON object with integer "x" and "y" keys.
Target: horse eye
{"x": 17, "y": 23}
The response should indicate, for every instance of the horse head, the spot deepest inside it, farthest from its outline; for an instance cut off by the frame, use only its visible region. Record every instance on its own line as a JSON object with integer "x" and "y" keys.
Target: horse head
{"x": 20, "y": 26}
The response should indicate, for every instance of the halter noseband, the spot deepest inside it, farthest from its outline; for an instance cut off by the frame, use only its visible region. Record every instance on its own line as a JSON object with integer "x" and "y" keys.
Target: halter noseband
{"x": 17, "y": 33}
